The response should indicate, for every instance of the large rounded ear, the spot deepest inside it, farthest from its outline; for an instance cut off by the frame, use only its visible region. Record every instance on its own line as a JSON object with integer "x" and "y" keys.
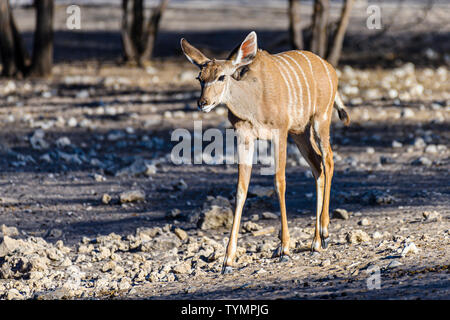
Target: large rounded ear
{"x": 193, "y": 54}
{"x": 246, "y": 52}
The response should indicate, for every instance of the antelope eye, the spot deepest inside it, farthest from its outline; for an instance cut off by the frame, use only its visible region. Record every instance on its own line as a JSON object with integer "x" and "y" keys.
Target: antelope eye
{"x": 221, "y": 78}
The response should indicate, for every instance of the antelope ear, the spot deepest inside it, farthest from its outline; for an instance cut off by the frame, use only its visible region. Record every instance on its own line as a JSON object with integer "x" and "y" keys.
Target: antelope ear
{"x": 247, "y": 51}
{"x": 193, "y": 54}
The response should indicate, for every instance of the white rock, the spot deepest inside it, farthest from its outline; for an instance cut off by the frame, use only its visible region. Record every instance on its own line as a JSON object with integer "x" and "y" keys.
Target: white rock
{"x": 407, "y": 113}
{"x": 37, "y": 140}
{"x": 432, "y": 216}
{"x": 431, "y": 148}
{"x": 409, "y": 248}
{"x": 72, "y": 122}
{"x": 63, "y": 142}
{"x": 394, "y": 264}
{"x": 364, "y": 222}
{"x": 261, "y": 191}
{"x": 132, "y": 196}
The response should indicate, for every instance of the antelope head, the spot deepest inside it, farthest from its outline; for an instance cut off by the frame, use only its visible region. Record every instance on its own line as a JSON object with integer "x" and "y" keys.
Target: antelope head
{"x": 215, "y": 75}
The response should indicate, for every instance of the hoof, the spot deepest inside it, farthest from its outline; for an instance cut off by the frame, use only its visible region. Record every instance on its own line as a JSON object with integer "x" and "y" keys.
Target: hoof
{"x": 278, "y": 253}
{"x": 284, "y": 258}
{"x": 316, "y": 246}
{"x": 227, "y": 270}
{"x": 325, "y": 242}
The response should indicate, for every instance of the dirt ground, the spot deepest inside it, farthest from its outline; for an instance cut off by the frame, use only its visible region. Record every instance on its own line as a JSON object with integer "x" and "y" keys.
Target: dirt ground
{"x": 67, "y": 145}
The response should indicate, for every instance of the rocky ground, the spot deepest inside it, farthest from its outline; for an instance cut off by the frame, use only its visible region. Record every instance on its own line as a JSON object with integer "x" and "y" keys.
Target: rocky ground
{"x": 92, "y": 207}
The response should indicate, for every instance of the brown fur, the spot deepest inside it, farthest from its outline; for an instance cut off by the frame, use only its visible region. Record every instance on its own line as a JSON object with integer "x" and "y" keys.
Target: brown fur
{"x": 289, "y": 93}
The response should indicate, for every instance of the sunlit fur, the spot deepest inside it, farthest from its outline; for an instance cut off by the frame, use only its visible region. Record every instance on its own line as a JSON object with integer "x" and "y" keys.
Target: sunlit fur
{"x": 270, "y": 97}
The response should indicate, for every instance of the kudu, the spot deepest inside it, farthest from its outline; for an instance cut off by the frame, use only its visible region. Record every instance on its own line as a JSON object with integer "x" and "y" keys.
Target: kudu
{"x": 287, "y": 93}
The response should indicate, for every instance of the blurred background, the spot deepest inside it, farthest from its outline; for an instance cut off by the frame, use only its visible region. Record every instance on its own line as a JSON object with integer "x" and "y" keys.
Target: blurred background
{"x": 376, "y": 32}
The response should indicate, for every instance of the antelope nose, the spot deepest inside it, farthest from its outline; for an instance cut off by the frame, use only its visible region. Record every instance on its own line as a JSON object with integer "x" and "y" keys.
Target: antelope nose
{"x": 201, "y": 103}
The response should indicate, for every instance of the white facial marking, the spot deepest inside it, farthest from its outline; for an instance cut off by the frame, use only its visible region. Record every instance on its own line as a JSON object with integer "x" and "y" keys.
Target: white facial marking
{"x": 225, "y": 90}
{"x": 207, "y": 84}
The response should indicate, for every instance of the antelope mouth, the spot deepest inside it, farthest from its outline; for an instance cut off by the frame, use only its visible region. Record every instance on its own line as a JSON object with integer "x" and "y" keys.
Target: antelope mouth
{"x": 207, "y": 108}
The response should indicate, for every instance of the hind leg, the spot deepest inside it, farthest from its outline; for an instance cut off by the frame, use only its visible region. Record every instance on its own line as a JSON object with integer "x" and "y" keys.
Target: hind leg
{"x": 322, "y": 137}
{"x": 309, "y": 150}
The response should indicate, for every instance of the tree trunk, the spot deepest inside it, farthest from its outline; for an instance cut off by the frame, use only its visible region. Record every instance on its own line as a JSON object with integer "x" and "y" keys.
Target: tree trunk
{"x": 127, "y": 44}
{"x": 338, "y": 39}
{"x": 137, "y": 26}
{"x": 295, "y": 30}
{"x": 42, "y": 62}
{"x": 319, "y": 32}
{"x": 13, "y": 53}
{"x": 138, "y": 40}
{"x": 152, "y": 31}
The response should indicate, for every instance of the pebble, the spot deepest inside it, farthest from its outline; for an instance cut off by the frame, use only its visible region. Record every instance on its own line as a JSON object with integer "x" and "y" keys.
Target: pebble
{"x": 264, "y": 231}
{"x": 132, "y": 196}
{"x": 424, "y": 161}
{"x": 377, "y": 235}
{"x": 407, "y": 113}
{"x": 217, "y": 213}
{"x": 138, "y": 167}
{"x": 356, "y": 236}
{"x": 409, "y": 247}
{"x": 182, "y": 268}
{"x": 364, "y": 222}
{"x": 419, "y": 143}
{"x": 8, "y": 245}
{"x": 431, "y": 216}
{"x": 63, "y": 142}
{"x": 106, "y": 198}
{"x": 250, "y": 226}
{"x": 269, "y": 215}
{"x": 431, "y": 148}
{"x": 37, "y": 140}
{"x": 341, "y": 214}
{"x": 181, "y": 234}
{"x": 394, "y": 264}
{"x": 8, "y": 231}
{"x": 14, "y": 294}
{"x": 261, "y": 191}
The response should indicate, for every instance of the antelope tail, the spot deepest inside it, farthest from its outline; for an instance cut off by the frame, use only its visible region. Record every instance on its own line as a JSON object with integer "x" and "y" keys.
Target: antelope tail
{"x": 342, "y": 112}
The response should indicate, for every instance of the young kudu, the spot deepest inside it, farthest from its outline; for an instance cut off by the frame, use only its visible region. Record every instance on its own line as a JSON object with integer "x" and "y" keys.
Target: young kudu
{"x": 268, "y": 97}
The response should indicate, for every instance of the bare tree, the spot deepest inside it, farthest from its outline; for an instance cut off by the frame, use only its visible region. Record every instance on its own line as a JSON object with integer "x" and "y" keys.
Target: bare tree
{"x": 12, "y": 49}
{"x": 320, "y": 42}
{"x": 319, "y": 28}
{"x": 336, "y": 48}
{"x": 295, "y": 30}
{"x": 42, "y": 62}
{"x": 15, "y": 57}
{"x": 139, "y": 36}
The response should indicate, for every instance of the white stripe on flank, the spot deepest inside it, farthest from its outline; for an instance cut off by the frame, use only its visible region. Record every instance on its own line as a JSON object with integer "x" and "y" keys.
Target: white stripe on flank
{"x": 300, "y": 85}
{"x": 312, "y": 76}
{"x": 292, "y": 86}
{"x": 299, "y": 103}
{"x": 285, "y": 81}
{"x": 331, "y": 88}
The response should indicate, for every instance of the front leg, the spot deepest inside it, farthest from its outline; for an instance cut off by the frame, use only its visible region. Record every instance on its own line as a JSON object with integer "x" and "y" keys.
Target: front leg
{"x": 280, "y": 184}
{"x": 245, "y": 158}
